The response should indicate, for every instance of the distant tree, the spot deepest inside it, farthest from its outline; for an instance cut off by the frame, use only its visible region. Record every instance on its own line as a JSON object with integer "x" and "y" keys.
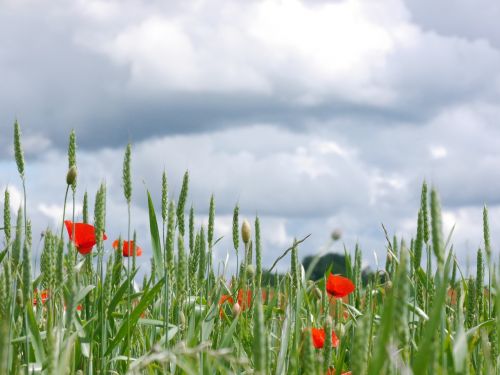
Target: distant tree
{"x": 333, "y": 260}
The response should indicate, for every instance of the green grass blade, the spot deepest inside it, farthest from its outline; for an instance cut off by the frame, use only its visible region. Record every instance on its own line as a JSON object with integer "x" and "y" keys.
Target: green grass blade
{"x": 134, "y": 316}
{"x": 155, "y": 239}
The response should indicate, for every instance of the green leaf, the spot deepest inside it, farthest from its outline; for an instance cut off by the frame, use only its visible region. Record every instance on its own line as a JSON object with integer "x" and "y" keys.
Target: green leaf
{"x": 152, "y": 322}
{"x": 132, "y": 320}
{"x": 34, "y": 334}
{"x": 120, "y": 293}
{"x": 155, "y": 239}
{"x": 82, "y": 293}
{"x": 426, "y": 346}
{"x": 228, "y": 335}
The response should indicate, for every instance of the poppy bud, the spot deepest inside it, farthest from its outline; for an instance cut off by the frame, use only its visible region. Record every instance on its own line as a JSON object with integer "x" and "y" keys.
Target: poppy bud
{"x": 246, "y": 231}
{"x": 250, "y": 271}
{"x": 71, "y": 175}
{"x": 336, "y": 234}
{"x": 236, "y": 309}
{"x": 388, "y": 285}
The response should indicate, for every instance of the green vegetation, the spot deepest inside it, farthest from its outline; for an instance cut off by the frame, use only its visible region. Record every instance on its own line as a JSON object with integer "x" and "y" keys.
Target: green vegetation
{"x": 80, "y": 312}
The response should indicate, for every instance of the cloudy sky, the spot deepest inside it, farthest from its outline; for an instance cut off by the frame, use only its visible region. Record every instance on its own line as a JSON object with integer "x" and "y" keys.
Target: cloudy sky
{"x": 315, "y": 115}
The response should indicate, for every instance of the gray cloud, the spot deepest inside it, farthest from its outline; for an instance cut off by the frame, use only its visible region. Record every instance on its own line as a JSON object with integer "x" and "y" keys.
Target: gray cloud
{"x": 315, "y": 115}
{"x": 119, "y": 72}
{"x": 467, "y": 19}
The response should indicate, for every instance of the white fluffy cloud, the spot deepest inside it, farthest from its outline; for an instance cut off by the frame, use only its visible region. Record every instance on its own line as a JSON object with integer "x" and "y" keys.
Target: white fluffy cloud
{"x": 313, "y": 114}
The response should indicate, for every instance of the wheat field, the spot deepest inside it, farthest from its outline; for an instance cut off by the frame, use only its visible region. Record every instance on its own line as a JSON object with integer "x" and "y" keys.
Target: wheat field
{"x": 85, "y": 311}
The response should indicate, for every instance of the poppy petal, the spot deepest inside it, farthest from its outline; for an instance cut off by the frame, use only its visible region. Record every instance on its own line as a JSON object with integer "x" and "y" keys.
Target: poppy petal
{"x": 339, "y": 286}
{"x": 318, "y": 337}
{"x": 84, "y": 250}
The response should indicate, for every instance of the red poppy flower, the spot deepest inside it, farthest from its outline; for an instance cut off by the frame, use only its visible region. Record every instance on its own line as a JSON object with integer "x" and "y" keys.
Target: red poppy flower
{"x": 339, "y": 286}
{"x": 126, "y": 249}
{"x": 242, "y": 301}
{"x": 223, "y": 299}
{"x": 84, "y": 236}
{"x": 44, "y": 296}
{"x": 318, "y": 336}
{"x": 78, "y": 308}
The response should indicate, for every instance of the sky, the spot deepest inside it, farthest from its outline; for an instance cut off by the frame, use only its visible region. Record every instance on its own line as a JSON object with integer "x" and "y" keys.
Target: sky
{"x": 315, "y": 115}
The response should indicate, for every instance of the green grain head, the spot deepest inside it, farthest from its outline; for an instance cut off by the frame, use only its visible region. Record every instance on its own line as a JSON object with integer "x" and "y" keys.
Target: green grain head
{"x": 486, "y": 234}
{"x": 202, "y": 267}
{"x": 236, "y": 228}
{"x": 170, "y": 238}
{"x": 85, "y": 209}
{"x": 436, "y": 224}
{"x": 4, "y": 305}
{"x": 48, "y": 261}
{"x": 6, "y": 217}
{"x": 419, "y": 241}
{"x": 470, "y": 316}
{"x": 258, "y": 253}
{"x": 191, "y": 230}
{"x": 27, "y": 265}
{"x": 99, "y": 213}
{"x": 16, "y": 246}
{"x": 181, "y": 270}
{"x": 164, "y": 196}
{"x": 211, "y": 220}
{"x": 425, "y": 212}
{"x": 259, "y": 338}
{"x": 59, "y": 261}
{"x": 126, "y": 175}
{"x": 18, "y": 149}
{"x": 308, "y": 360}
{"x": 360, "y": 347}
{"x": 72, "y": 159}
{"x": 479, "y": 282}
{"x": 182, "y": 203}
{"x": 357, "y": 275}
{"x": 294, "y": 267}
{"x": 194, "y": 260}
{"x": 327, "y": 347}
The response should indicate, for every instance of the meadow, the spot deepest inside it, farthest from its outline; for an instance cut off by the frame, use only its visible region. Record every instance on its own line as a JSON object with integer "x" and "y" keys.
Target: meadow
{"x": 82, "y": 313}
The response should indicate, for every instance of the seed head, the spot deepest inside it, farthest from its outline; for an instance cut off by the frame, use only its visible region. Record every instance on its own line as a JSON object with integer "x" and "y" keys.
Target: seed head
{"x": 236, "y": 309}
{"x": 250, "y": 271}
{"x": 71, "y": 175}
{"x": 336, "y": 234}
{"x": 246, "y": 231}
{"x": 127, "y": 178}
{"x": 18, "y": 149}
